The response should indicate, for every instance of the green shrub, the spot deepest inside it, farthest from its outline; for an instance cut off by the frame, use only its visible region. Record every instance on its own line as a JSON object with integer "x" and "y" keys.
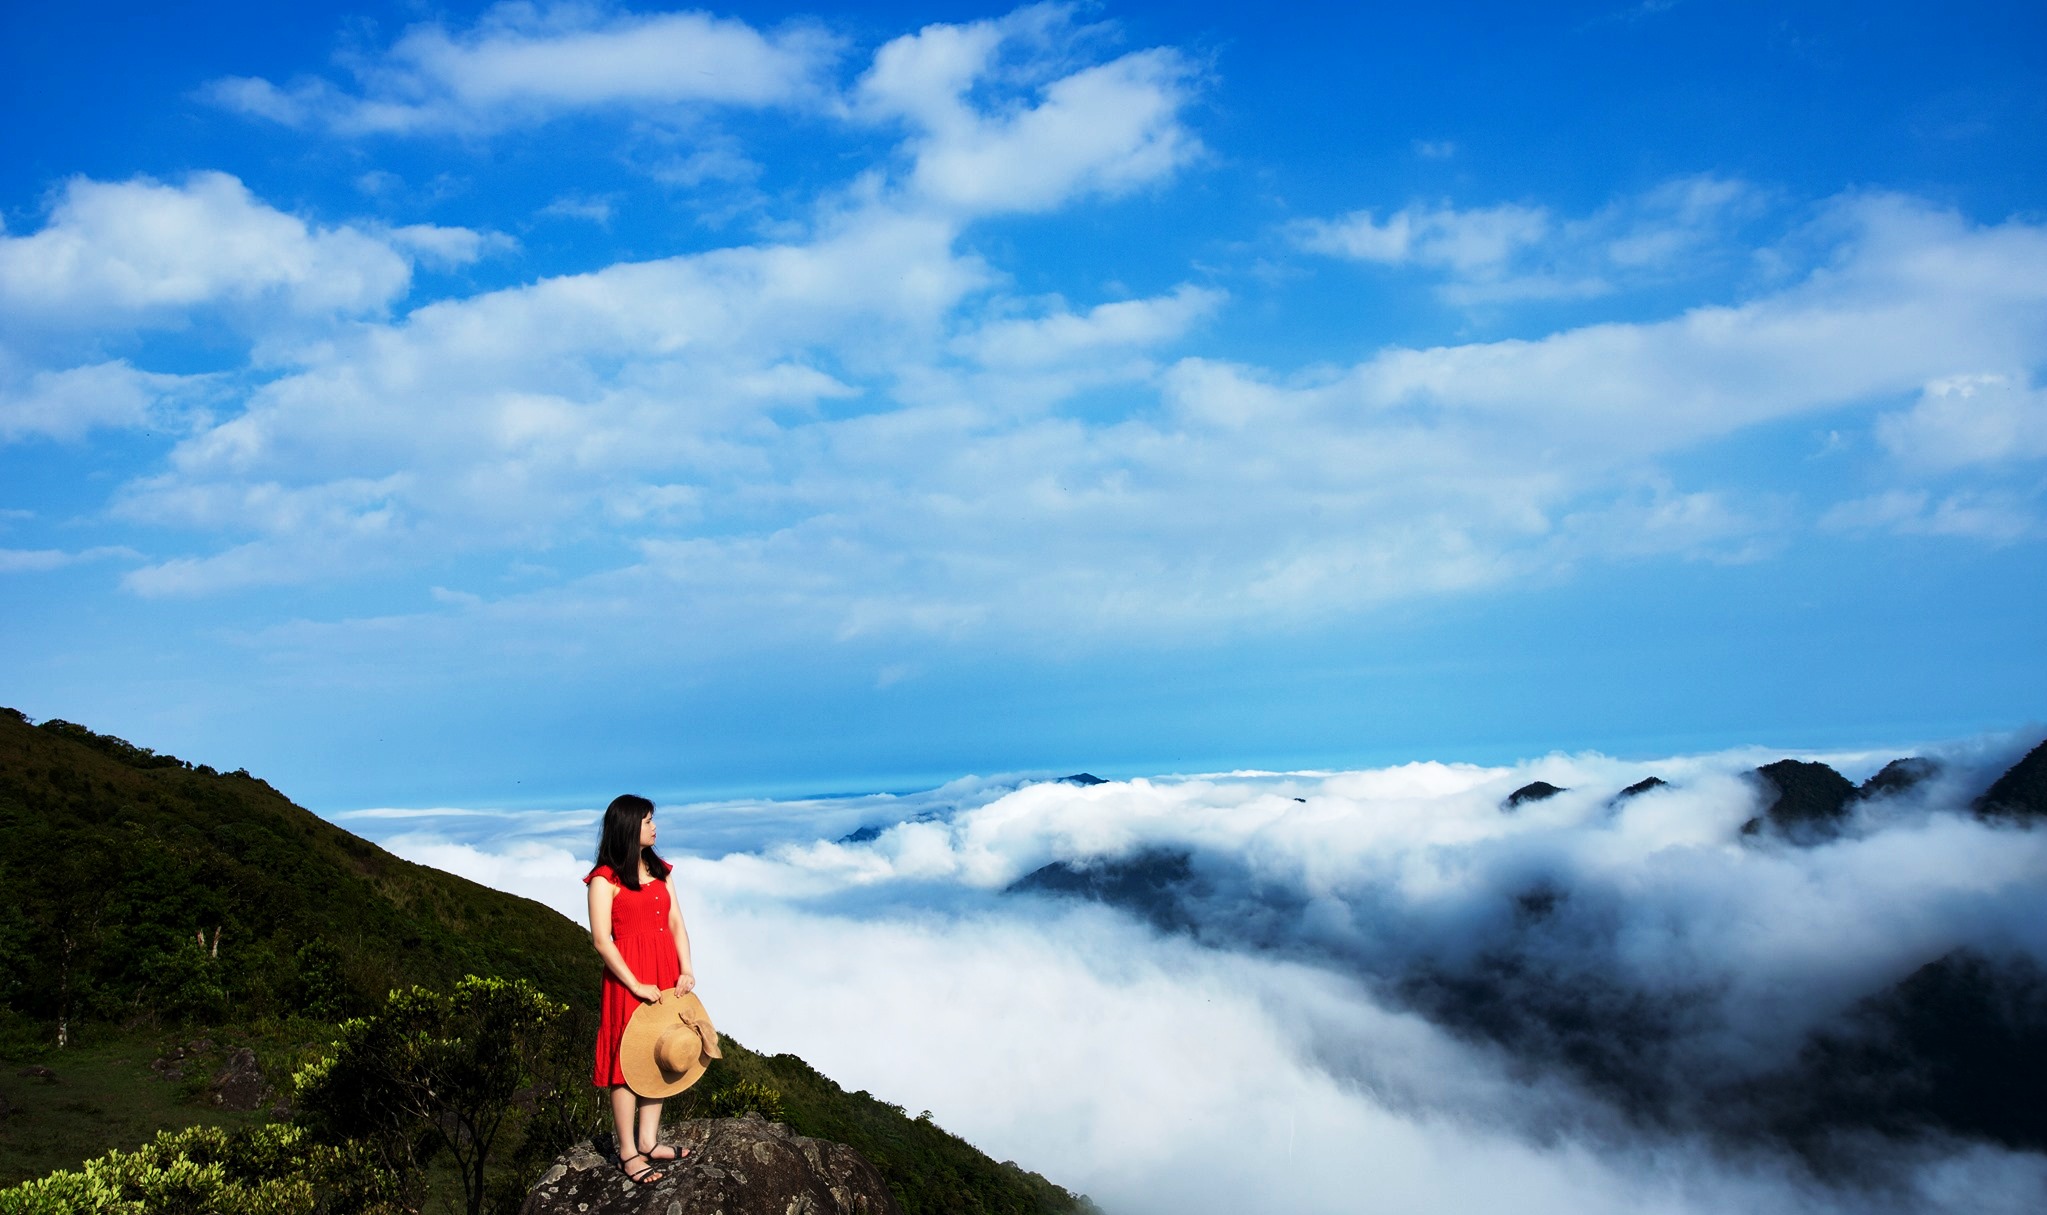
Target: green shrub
{"x": 188, "y": 983}
{"x": 265, "y": 1170}
{"x": 320, "y": 987}
{"x": 747, "y": 1096}
{"x": 433, "y": 1072}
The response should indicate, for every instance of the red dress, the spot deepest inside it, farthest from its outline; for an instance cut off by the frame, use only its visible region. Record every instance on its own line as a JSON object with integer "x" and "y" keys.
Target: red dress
{"x": 639, "y": 927}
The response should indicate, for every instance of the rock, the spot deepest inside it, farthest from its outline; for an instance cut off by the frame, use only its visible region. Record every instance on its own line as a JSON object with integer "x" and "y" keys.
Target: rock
{"x": 239, "y": 1085}
{"x": 2020, "y": 793}
{"x": 1534, "y": 791}
{"x": 735, "y": 1166}
{"x": 1810, "y": 803}
{"x": 1897, "y": 776}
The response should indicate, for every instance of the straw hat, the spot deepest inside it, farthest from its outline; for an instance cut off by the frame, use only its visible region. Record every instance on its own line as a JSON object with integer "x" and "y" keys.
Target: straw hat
{"x": 667, "y": 1045}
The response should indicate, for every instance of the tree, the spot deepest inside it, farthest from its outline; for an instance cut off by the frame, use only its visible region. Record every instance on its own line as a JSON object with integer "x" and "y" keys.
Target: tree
{"x": 433, "y": 1072}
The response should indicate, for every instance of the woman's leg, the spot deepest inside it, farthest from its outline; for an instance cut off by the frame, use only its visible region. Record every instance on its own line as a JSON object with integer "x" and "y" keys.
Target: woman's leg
{"x": 650, "y": 1134}
{"x": 624, "y": 1116}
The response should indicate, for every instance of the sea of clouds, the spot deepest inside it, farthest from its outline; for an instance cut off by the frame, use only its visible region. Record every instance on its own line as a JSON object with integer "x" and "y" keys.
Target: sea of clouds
{"x": 1328, "y": 1007}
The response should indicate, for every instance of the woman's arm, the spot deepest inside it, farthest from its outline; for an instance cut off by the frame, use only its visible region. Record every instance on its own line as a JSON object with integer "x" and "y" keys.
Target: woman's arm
{"x": 687, "y": 979}
{"x": 601, "y": 892}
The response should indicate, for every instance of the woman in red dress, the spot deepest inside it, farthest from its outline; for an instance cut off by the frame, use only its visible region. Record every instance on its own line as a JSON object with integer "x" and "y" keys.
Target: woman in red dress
{"x": 637, "y": 929}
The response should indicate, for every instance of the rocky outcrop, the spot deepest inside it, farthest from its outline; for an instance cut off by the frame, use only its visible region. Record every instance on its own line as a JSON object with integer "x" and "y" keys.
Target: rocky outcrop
{"x": 1640, "y": 787}
{"x": 735, "y": 1166}
{"x": 239, "y": 1085}
{"x": 2020, "y": 793}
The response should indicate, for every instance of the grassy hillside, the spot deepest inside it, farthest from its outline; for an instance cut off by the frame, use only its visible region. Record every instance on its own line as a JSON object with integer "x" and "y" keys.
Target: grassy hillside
{"x": 151, "y": 905}
{"x": 117, "y": 860}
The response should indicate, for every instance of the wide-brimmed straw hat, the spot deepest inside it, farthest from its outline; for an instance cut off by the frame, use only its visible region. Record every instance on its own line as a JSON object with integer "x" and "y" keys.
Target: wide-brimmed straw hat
{"x": 667, "y": 1045}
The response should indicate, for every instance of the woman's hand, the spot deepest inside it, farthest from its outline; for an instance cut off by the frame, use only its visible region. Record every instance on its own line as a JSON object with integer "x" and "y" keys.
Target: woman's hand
{"x": 685, "y": 984}
{"x": 647, "y": 992}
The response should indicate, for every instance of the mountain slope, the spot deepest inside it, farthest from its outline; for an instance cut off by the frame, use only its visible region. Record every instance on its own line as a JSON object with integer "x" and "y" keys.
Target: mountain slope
{"x": 117, "y": 861}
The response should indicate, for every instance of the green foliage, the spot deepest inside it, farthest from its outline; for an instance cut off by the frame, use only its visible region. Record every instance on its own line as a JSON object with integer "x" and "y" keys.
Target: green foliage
{"x": 320, "y": 987}
{"x": 114, "y": 858}
{"x": 266, "y": 1170}
{"x": 746, "y": 1097}
{"x": 431, "y": 1073}
{"x": 187, "y": 984}
{"x": 106, "y": 744}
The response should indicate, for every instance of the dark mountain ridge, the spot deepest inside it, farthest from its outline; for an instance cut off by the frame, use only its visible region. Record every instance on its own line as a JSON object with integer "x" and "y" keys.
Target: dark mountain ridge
{"x": 1955, "y": 1049}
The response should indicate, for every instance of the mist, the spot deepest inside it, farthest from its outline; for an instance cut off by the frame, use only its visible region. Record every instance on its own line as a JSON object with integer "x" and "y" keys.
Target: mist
{"x": 1388, "y": 989}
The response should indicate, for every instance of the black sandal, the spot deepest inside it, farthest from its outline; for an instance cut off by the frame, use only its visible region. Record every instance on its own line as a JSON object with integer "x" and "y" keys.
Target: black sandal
{"x": 641, "y": 1177}
{"x": 674, "y": 1154}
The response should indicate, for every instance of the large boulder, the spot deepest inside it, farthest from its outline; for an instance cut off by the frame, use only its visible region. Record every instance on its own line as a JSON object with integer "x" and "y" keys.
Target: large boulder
{"x": 735, "y": 1166}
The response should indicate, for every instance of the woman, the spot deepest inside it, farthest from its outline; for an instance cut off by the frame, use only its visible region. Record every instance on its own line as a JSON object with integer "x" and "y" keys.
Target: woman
{"x": 637, "y": 929}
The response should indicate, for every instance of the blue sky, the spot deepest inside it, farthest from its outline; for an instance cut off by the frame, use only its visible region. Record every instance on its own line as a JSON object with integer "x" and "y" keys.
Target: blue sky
{"x": 507, "y": 405}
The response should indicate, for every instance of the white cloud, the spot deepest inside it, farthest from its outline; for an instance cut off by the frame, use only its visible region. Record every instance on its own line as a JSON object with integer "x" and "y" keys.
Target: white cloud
{"x": 502, "y": 415}
{"x": 526, "y": 62}
{"x": 141, "y": 250}
{"x": 1063, "y": 335}
{"x": 1510, "y": 251}
{"x": 66, "y": 405}
{"x": 447, "y": 247}
{"x": 1105, "y": 129}
{"x": 1475, "y": 241}
{"x": 1969, "y": 419}
{"x": 1994, "y": 517}
{"x": 597, "y": 210}
{"x": 848, "y": 436}
{"x": 1288, "y": 1061}
{"x": 42, "y": 560}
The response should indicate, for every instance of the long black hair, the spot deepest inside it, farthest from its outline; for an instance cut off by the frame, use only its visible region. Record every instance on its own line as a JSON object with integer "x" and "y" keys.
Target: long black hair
{"x": 618, "y": 842}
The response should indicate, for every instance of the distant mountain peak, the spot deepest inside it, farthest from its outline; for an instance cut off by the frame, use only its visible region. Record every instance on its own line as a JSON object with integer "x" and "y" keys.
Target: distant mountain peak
{"x": 1811, "y": 800}
{"x": 2020, "y": 793}
{"x": 1898, "y": 776}
{"x": 1533, "y": 791}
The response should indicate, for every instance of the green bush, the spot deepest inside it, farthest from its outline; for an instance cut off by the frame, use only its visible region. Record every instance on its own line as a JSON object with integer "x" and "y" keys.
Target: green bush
{"x": 747, "y": 1096}
{"x": 188, "y": 984}
{"x": 320, "y": 988}
{"x": 433, "y": 1072}
{"x": 266, "y": 1170}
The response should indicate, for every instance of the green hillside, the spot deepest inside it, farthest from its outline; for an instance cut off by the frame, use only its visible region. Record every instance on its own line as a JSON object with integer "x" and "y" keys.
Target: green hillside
{"x": 116, "y": 863}
{"x": 115, "y": 860}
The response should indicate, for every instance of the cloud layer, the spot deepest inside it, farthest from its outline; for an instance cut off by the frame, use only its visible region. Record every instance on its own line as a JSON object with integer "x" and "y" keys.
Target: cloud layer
{"x": 1288, "y": 1045}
